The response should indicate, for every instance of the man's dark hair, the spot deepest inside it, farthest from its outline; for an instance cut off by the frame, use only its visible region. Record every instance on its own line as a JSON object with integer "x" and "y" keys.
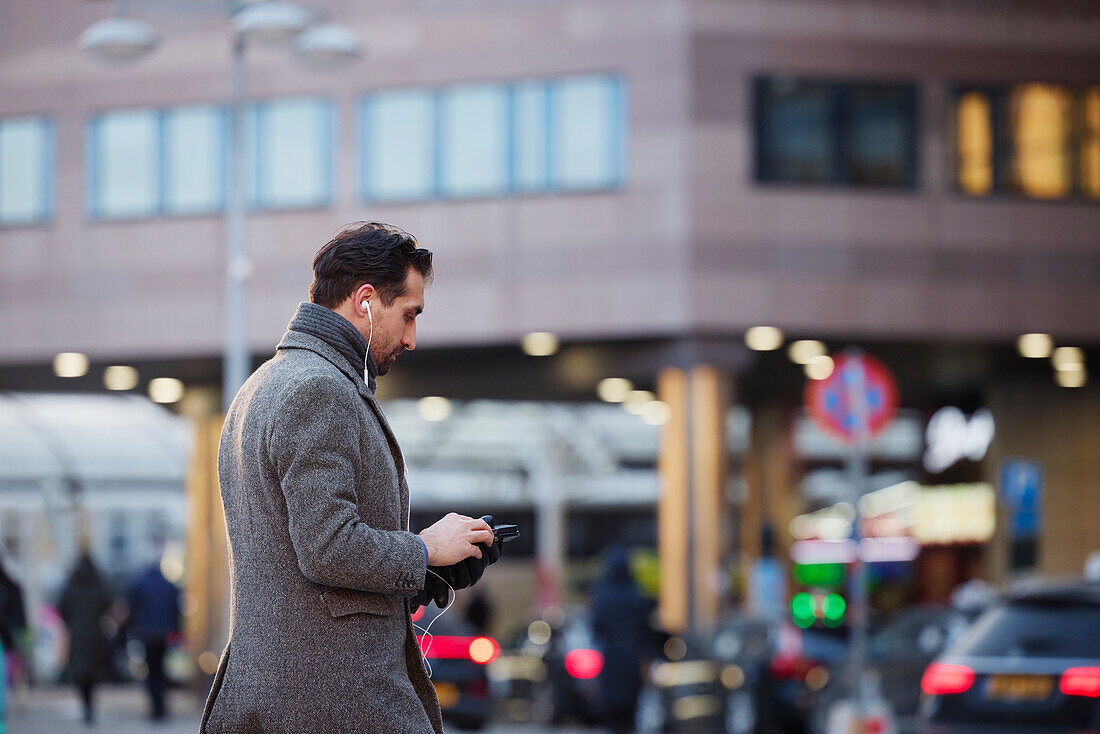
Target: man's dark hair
{"x": 367, "y": 252}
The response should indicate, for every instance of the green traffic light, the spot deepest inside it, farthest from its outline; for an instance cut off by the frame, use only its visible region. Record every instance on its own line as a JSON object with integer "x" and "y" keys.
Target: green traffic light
{"x": 802, "y": 609}
{"x": 833, "y": 608}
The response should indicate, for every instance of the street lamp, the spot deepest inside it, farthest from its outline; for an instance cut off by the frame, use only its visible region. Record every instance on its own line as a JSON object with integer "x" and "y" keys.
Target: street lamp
{"x": 121, "y": 39}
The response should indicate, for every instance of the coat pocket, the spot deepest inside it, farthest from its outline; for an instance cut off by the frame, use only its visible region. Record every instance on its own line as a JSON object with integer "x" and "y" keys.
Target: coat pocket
{"x": 341, "y": 602}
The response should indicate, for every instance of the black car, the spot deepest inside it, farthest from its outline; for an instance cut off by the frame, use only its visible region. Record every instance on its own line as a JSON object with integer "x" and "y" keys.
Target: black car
{"x": 458, "y": 658}
{"x": 897, "y": 654}
{"x": 1030, "y": 664}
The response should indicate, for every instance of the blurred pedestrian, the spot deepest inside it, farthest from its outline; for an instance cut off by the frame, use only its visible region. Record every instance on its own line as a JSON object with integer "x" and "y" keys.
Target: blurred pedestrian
{"x": 620, "y": 618}
{"x": 13, "y": 627}
{"x": 317, "y": 509}
{"x": 154, "y": 616}
{"x": 85, "y": 604}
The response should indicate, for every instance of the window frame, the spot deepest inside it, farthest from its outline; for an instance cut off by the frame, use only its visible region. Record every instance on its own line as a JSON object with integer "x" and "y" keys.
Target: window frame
{"x": 839, "y": 94}
{"x": 49, "y": 173}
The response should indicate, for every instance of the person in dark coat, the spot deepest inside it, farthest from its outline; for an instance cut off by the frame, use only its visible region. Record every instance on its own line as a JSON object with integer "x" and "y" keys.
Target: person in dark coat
{"x": 620, "y": 617}
{"x": 154, "y": 615}
{"x": 13, "y": 622}
{"x": 84, "y": 606}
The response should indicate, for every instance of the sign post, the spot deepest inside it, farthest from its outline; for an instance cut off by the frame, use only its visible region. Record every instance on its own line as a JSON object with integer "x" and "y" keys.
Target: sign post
{"x": 856, "y": 402}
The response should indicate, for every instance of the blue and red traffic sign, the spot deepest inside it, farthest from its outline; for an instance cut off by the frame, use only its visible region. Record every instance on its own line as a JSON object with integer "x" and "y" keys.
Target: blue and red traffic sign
{"x": 833, "y": 403}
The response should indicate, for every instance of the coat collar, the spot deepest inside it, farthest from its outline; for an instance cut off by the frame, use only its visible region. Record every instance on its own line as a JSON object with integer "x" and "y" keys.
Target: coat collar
{"x": 300, "y": 340}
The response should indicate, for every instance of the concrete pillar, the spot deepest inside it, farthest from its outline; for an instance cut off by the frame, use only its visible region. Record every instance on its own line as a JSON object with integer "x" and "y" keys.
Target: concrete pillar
{"x": 673, "y": 507}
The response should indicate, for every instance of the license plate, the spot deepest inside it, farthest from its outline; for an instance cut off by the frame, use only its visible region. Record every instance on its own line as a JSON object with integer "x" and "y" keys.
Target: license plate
{"x": 1019, "y": 687}
{"x": 447, "y": 694}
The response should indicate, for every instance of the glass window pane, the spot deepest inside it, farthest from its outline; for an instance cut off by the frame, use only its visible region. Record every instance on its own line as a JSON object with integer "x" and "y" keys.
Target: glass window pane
{"x": 399, "y": 146}
{"x": 1090, "y": 144}
{"x": 474, "y": 144}
{"x": 127, "y": 169}
{"x": 294, "y": 149}
{"x": 585, "y": 133}
{"x": 880, "y": 136}
{"x": 193, "y": 159}
{"x": 1040, "y": 124}
{"x": 24, "y": 170}
{"x": 529, "y": 136}
{"x": 974, "y": 143}
{"x": 796, "y": 132}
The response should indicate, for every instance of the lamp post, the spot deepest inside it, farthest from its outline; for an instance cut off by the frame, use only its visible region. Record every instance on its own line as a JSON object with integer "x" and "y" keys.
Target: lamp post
{"x": 122, "y": 39}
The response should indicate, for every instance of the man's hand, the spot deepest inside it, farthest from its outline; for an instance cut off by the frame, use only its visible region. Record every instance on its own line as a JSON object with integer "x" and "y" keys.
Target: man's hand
{"x": 454, "y": 538}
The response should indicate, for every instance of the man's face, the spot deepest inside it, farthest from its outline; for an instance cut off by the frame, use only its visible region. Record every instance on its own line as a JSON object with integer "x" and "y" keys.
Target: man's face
{"x": 395, "y": 324}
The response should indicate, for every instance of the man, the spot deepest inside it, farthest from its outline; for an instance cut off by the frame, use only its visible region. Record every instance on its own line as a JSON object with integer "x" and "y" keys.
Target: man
{"x": 317, "y": 509}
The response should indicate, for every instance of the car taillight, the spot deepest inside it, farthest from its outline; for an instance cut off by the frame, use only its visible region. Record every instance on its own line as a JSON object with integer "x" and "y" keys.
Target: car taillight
{"x": 1081, "y": 682}
{"x": 583, "y": 664}
{"x": 481, "y": 650}
{"x": 944, "y": 678}
{"x": 791, "y": 667}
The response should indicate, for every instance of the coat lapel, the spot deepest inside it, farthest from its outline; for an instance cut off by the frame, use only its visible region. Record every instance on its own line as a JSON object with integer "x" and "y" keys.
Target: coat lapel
{"x": 301, "y": 340}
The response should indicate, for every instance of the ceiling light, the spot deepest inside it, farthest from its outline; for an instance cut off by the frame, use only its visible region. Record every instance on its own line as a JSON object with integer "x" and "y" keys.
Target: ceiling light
{"x": 1067, "y": 358}
{"x": 1071, "y": 377}
{"x": 804, "y": 351}
{"x": 636, "y": 400}
{"x": 540, "y": 343}
{"x": 165, "y": 390}
{"x": 1035, "y": 346}
{"x": 763, "y": 338}
{"x": 120, "y": 377}
{"x": 434, "y": 408}
{"x": 819, "y": 368}
{"x": 614, "y": 389}
{"x": 70, "y": 364}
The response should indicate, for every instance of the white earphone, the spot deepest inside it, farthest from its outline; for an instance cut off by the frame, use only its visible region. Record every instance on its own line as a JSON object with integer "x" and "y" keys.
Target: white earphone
{"x": 366, "y": 306}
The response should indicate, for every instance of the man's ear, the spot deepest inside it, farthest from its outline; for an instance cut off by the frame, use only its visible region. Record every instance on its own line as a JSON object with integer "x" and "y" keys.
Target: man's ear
{"x": 365, "y": 292}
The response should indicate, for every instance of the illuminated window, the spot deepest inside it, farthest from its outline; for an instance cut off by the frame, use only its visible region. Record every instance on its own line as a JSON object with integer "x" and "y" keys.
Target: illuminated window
{"x": 1090, "y": 143}
{"x": 1039, "y": 116}
{"x": 1041, "y": 141}
{"x": 974, "y": 143}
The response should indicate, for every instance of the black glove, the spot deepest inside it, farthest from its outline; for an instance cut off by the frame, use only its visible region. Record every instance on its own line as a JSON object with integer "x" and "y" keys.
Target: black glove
{"x": 434, "y": 590}
{"x": 467, "y": 572}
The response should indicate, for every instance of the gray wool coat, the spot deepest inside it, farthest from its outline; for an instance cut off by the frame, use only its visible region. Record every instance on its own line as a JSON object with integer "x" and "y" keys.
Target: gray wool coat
{"x": 321, "y": 560}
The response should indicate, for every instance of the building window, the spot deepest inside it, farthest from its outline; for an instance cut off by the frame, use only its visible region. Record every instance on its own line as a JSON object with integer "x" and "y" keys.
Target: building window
{"x": 585, "y": 133}
{"x": 473, "y": 150}
{"x": 195, "y": 140}
{"x": 125, "y": 167}
{"x": 818, "y": 132}
{"x": 291, "y": 153}
{"x": 398, "y": 145}
{"x": 493, "y": 139}
{"x": 1034, "y": 140}
{"x": 26, "y": 170}
{"x": 145, "y": 163}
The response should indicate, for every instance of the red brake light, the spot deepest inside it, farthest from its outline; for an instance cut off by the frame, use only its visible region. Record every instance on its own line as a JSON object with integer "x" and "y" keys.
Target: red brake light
{"x": 481, "y": 650}
{"x": 416, "y": 616}
{"x": 944, "y": 678}
{"x": 583, "y": 664}
{"x": 1081, "y": 682}
{"x": 791, "y": 667}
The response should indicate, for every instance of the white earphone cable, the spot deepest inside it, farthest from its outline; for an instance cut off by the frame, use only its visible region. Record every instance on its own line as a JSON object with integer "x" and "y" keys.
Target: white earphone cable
{"x": 426, "y": 630}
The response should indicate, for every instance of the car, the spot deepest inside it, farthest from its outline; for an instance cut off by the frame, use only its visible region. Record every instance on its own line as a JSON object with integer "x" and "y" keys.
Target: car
{"x": 457, "y": 658}
{"x": 550, "y": 673}
{"x": 898, "y": 652}
{"x": 1029, "y": 664}
{"x": 751, "y": 676}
